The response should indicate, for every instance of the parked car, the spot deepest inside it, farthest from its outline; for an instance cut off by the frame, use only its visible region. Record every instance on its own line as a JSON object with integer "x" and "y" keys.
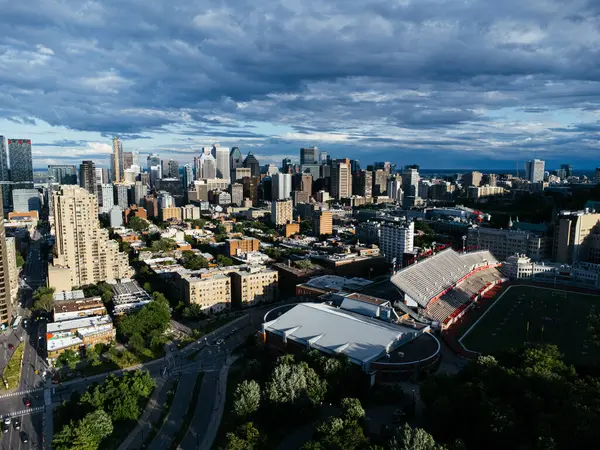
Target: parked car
{"x": 24, "y": 437}
{"x": 11, "y": 347}
{"x": 17, "y": 424}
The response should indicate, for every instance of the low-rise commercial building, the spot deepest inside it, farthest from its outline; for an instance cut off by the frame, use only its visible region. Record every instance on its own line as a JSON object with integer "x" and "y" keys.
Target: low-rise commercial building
{"x": 128, "y": 296}
{"x": 78, "y": 308}
{"x": 331, "y": 283}
{"x": 76, "y": 334}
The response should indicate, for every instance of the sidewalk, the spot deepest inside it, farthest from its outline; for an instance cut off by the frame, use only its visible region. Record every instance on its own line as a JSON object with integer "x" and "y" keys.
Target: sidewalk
{"x": 151, "y": 414}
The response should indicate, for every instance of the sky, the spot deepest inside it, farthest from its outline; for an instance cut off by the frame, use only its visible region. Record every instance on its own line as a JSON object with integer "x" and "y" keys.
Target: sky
{"x": 441, "y": 83}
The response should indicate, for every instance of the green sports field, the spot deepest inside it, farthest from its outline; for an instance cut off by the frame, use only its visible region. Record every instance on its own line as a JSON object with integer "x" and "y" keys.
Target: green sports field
{"x": 528, "y": 314}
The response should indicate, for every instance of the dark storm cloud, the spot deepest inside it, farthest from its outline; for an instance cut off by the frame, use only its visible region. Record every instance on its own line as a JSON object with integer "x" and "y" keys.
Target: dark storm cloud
{"x": 432, "y": 73}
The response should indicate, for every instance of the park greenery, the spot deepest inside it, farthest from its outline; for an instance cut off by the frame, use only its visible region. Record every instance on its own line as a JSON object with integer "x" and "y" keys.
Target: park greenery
{"x": 144, "y": 329}
{"x": 43, "y": 299}
{"x": 11, "y": 375}
{"x": 524, "y": 399}
{"x": 104, "y": 414}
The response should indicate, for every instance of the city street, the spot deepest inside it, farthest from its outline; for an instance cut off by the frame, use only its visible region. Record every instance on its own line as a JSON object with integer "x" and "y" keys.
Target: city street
{"x": 33, "y": 275}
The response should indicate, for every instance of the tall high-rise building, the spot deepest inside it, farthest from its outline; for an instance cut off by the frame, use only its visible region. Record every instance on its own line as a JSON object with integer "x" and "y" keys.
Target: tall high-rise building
{"x": 396, "y": 239}
{"x": 5, "y": 304}
{"x": 410, "y": 181}
{"x": 173, "y": 168}
{"x": 83, "y": 252}
{"x": 354, "y": 165}
{"x": 568, "y": 168}
{"x": 21, "y": 166}
{"x": 282, "y": 211}
{"x": 108, "y": 197}
{"x": 62, "y": 174}
{"x": 472, "y": 179}
{"x": 237, "y": 193}
{"x": 4, "y": 173}
{"x": 286, "y": 165}
{"x": 380, "y": 177}
{"x": 363, "y": 183}
{"x": 341, "y": 180}
{"x": 121, "y": 195}
{"x": 117, "y": 160}
{"x": 281, "y": 187}
{"x": 102, "y": 176}
{"x": 138, "y": 191}
{"x": 127, "y": 160}
{"x": 597, "y": 178}
{"x": 87, "y": 176}
{"x": 236, "y": 160}
{"x": 535, "y": 170}
{"x": 309, "y": 155}
{"x": 577, "y": 237}
{"x": 153, "y": 160}
{"x": 252, "y": 163}
{"x": 221, "y": 155}
{"x": 188, "y": 176}
{"x": 322, "y": 222}
{"x": 302, "y": 182}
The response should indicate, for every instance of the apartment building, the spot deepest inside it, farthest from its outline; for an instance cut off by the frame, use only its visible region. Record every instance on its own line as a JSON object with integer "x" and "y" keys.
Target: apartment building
{"x": 212, "y": 292}
{"x": 577, "y": 237}
{"x": 396, "y": 239}
{"x": 506, "y": 242}
{"x": 234, "y": 247}
{"x": 13, "y": 270}
{"x": 484, "y": 191}
{"x": 282, "y": 212}
{"x": 254, "y": 285}
{"x": 322, "y": 222}
{"x": 83, "y": 253}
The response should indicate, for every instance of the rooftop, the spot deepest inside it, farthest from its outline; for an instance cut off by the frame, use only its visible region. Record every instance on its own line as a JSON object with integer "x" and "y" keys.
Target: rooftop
{"x": 68, "y": 295}
{"x": 63, "y": 306}
{"x": 76, "y": 324}
{"x": 337, "y": 283}
{"x": 336, "y": 331}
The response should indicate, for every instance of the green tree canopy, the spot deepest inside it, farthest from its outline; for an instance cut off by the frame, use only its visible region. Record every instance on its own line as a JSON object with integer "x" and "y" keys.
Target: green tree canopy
{"x": 517, "y": 399}
{"x": 149, "y": 323}
{"x": 408, "y": 438}
{"x": 87, "y": 434}
{"x": 192, "y": 261}
{"x": 163, "y": 245}
{"x": 246, "y": 398}
{"x": 138, "y": 224}
{"x": 224, "y": 261}
{"x": 69, "y": 358}
{"x": 289, "y": 383}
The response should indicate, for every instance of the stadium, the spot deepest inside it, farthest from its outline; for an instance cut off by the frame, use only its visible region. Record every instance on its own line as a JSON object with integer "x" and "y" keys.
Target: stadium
{"x": 446, "y": 285}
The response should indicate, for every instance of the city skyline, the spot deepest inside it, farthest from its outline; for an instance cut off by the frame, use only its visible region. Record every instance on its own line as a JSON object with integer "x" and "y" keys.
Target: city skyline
{"x": 472, "y": 85}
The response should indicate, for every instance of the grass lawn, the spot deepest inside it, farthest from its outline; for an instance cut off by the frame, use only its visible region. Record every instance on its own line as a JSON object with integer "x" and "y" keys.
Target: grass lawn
{"x": 526, "y": 314}
{"x": 11, "y": 375}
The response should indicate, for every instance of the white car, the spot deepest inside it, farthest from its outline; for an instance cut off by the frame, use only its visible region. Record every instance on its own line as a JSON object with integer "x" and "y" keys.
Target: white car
{"x": 7, "y": 420}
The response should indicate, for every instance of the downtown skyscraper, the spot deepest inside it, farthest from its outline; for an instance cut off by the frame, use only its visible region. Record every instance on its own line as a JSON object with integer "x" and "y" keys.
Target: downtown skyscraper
{"x": 4, "y": 173}
{"x": 117, "y": 163}
{"x": 21, "y": 166}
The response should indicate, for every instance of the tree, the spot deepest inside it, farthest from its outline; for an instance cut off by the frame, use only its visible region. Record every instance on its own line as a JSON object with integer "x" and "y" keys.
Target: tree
{"x": 352, "y": 409}
{"x": 163, "y": 245}
{"x": 87, "y": 434}
{"x": 193, "y": 312}
{"x": 238, "y": 228}
{"x": 289, "y": 383}
{"x": 69, "y": 358}
{"x": 149, "y": 322}
{"x": 192, "y": 261}
{"x": 407, "y": 438}
{"x": 224, "y": 261}
{"x": 20, "y": 260}
{"x": 246, "y": 398}
{"x": 138, "y": 224}
{"x": 44, "y": 300}
{"x": 198, "y": 223}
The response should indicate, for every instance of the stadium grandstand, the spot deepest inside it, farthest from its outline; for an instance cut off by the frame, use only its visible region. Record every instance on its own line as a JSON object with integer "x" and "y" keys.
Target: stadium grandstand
{"x": 442, "y": 286}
